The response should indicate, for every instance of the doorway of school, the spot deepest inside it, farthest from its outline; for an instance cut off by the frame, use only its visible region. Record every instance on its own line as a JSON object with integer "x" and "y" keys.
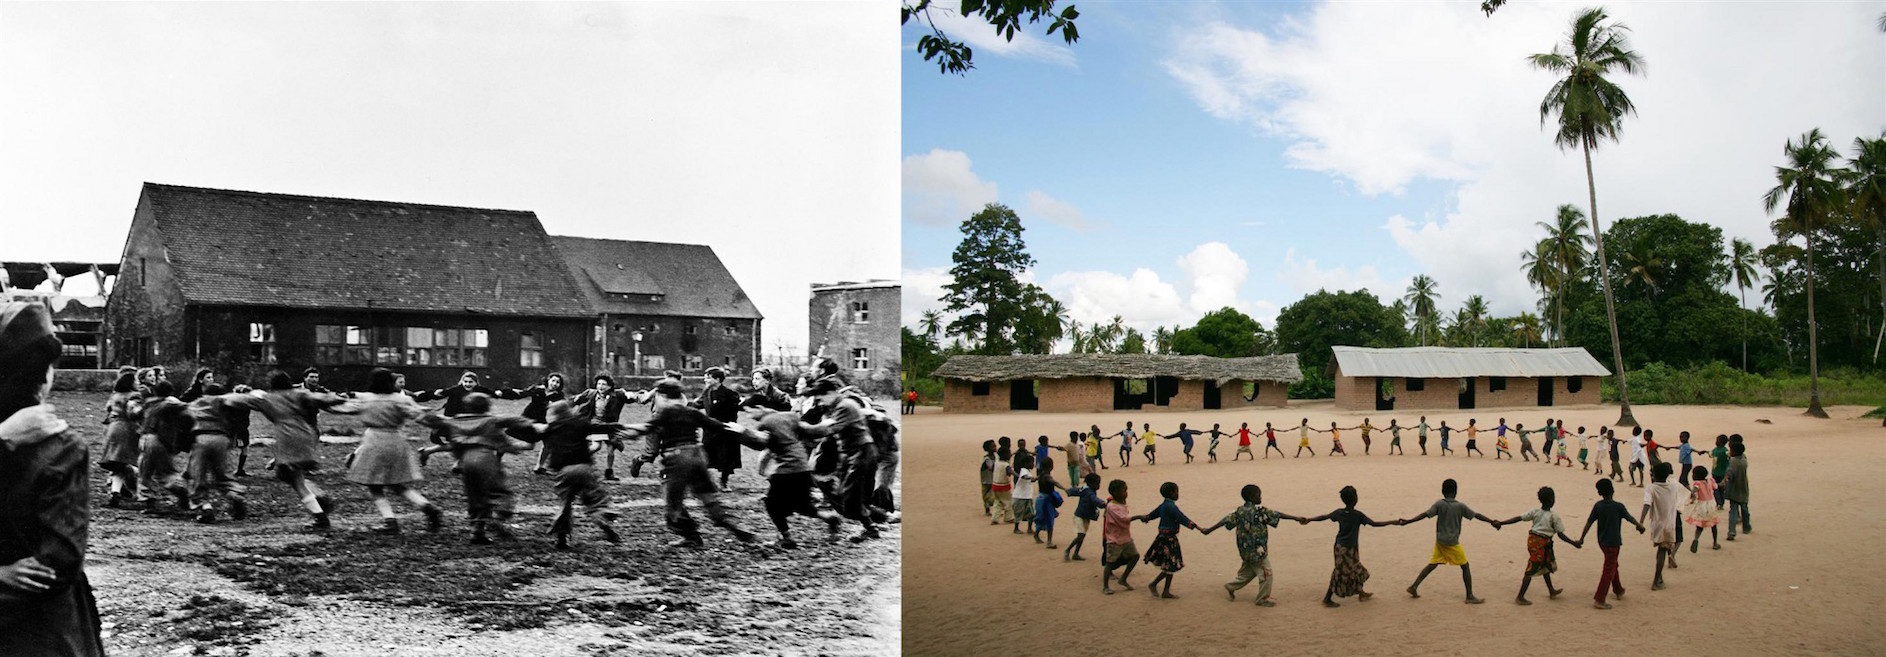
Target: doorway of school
{"x": 1213, "y": 401}
{"x": 1466, "y": 392}
{"x": 1022, "y": 396}
{"x": 1545, "y": 391}
{"x": 1384, "y": 394}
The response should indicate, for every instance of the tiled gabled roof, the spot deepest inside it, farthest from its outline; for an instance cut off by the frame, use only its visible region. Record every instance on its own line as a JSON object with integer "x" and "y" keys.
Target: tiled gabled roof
{"x": 689, "y": 279}
{"x": 251, "y": 248}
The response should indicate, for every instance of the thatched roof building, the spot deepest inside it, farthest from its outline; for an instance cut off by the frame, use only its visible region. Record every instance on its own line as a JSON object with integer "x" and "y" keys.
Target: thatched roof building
{"x": 1095, "y": 382}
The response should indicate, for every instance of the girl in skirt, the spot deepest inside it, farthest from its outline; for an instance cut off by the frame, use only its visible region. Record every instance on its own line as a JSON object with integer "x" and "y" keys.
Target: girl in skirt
{"x": 1349, "y": 576}
{"x": 1164, "y": 553}
{"x": 120, "y": 456}
{"x": 1540, "y": 560}
{"x": 1702, "y": 511}
{"x": 384, "y": 463}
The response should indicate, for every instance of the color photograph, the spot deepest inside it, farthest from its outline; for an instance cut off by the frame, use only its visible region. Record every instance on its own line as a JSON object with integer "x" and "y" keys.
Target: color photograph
{"x": 1313, "y": 328}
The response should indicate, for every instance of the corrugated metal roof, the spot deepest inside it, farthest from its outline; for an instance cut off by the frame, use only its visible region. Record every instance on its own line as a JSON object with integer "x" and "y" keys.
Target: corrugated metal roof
{"x": 1453, "y": 363}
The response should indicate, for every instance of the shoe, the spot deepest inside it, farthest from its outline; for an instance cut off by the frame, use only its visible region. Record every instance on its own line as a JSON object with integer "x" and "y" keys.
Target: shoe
{"x": 541, "y": 471}
{"x": 113, "y": 501}
{"x": 326, "y": 503}
{"x": 479, "y": 538}
{"x": 320, "y": 523}
{"x": 563, "y": 541}
{"x": 832, "y": 523}
{"x": 206, "y": 517}
{"x": 434, "y": 518}
{"x": 609, "y": 534}
{"x": 785, "y": 544}
{"x": 238, "y": 509}
{"x": 869, "y": 533}
{"x": 388, "y": 528}
{"x": 609, "y": 475}
{"x": 241, "y": 474}
{"x": 424, "y": 456}
{"x": 687, "y": 542}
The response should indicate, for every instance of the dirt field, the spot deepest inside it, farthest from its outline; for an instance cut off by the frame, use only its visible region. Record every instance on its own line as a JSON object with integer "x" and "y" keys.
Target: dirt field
{"x": 1806, "y": 582}
{"x": 168, "y": 586}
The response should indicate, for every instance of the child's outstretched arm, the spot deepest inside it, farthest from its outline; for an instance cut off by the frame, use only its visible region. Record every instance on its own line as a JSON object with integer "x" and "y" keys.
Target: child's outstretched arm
{"x": 1208, "y": 530}
{"x": 1483, "y": 518}
{"x": 1508, "y": 521}
{"x": 1568, "y": 540}
{"x": 1587, "y": 531}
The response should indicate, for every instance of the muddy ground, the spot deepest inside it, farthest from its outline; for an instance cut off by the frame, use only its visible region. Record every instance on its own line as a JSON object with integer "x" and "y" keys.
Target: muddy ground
{"x": 265, "y": 587}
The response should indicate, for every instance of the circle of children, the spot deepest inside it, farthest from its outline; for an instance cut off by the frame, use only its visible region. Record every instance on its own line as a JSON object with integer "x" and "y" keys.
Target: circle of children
{"x": 1019, "y": 489}
{"x": 838, "y": 443}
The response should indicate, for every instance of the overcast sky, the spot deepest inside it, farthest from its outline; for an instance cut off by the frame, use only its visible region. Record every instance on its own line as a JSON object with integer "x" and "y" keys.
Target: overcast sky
{"x": 768, "y": 132}
{"x": 1185, "y": 157}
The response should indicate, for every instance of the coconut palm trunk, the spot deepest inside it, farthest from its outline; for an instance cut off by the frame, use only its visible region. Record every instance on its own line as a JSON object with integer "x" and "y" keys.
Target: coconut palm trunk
{"x": 1813, "y": 340}
{"x": 1625, "y": 419}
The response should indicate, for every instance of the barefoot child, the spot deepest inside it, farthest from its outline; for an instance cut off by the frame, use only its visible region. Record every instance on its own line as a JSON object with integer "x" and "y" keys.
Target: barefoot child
{"x": 986, "y": 475}
{"x": 1303, "y": 438}
{"x": 1244, "y": 442}
{"x": 1473, "y": 440}
{"x": 1335, "y": 440}
{"x": 1086, "y": 510}
{"x": 1448, "y": 514}
{"x": 1002, "y": 487}
{"x": 1270, "y": 441}
{"x": 1609, "y": 515}
{"x": 1165, "y": 553}
{"x": 1252, "y": 523}
{"x": 1540, "y": 561}
{"x": 1584, "y": 450}
{"x": 1349, "y": 575}
{"x": 1421, "y": 434}
{"x": 1394, "y": 438}
{"x": 1661, "y": 497}
{"x": 1126, "y": 444}
{"x": 1211, "y": 451}
{"x": 1116, "y": 539}
{"x": 1150, "y": 451}
{"x": 1365, "y": 428}
{"x": 1562, "y": 447}
{"x": 1737, "y": 482}
{"x": 1023, "y": 499}
{"x": 1185, "y": 437}
{"x": 1611, "y": 438}
{"x": 1093, "y": 450}
{"x": 1526, "y": 452}
{"x": 1702, "y": 512}
{"x": 1047, "y": 504}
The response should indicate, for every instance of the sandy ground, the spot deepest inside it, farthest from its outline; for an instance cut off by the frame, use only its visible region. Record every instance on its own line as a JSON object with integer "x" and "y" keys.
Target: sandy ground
{"x": 1806, "y": 582}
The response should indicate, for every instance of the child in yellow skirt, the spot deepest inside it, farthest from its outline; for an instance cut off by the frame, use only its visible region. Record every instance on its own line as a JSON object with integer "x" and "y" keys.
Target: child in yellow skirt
{"x": 1448, "y": 514}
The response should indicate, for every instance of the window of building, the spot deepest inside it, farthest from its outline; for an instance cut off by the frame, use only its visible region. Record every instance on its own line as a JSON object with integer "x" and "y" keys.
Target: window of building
{"x": 860, "y": 358}
{"x": 262, "y": 343}
{"x": 530, "y": 350}
{"x": 395, "y": 345}
{"x": 732, "y": 328}
{"x": 691, "y": 362}
{"x": 688, "y": 330}
{"x": 1574, "y": 383}
{"x": 979, "y": 388}
{"x": 1416, "y": 385}
{"x": 654, "y": 362}
{"x": 727, "y": 362}
{"x": 1496, "y": 383}
{"x": 861, "y": 312}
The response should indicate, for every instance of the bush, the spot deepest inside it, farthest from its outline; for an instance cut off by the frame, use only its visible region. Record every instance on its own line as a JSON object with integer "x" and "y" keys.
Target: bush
{"x": 929, "y": 390}
{"x": 1718, "y": 383}
{"x": 1313, "y": 386}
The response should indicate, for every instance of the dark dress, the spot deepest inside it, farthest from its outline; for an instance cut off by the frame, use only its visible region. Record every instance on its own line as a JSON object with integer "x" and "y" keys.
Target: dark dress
{"x": 723, "y": 449}
{"x": 44, "y": 511}
{"x": 454, "y": 404}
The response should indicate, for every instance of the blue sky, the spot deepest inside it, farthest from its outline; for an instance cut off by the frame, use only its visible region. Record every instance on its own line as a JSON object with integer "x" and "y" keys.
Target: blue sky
{"x": 1183, "y": 157}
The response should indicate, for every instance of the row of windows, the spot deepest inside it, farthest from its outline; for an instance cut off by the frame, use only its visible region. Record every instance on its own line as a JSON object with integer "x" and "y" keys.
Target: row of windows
{"x": 1498, "y": 383}
{"x": 392, "y": 345}
{"x": 731, "y": 328}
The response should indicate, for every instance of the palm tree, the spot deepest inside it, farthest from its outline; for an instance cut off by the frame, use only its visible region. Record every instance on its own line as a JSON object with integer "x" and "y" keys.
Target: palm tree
{"x": 1567, "y": 247}
{"x": 1162, "y": 340}
{"x": 1526, "y": 328}
{"x": 931, "y": 323}
{"x": 1742, "y": 268}
{"x": 1400, "y": 308}
{"x": 1421, "y": 294}
{"x": 1866, "y": 190}
{"x": 1808, "y": 190}
{"x": 1641, "y": 264}
{"x": 1542, "y": 271}
{"x": 1591, "y": 109}
{"x": 1476, "y": 311}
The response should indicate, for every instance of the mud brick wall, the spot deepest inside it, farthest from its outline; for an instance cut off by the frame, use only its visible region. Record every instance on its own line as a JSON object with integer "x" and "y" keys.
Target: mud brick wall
{"x": 1076, "y": 395}
{"x": 958, "y": 397}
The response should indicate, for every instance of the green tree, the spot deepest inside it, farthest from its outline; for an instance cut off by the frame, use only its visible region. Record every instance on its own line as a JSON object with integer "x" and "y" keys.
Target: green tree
{"x": 1043, "y": 321}
{"x": 1525, "y": 329}
{"x": 1319, "y": 321}
{"x": 986, "y": 293}
{"x": 1422, "y": 291}
{"x": 1591, "y": 109}
{"x": 1742, "y": 263}
{"x": 930, "y": 323}
{"x": 1566, "y": 247}
{"x": 1866, "y": 190}
{"x": 1809, "y": 191}
{"x": 1641, "y": 265}
{"x": 920, "y": 354}
{"x": 1225, "y": 333}
{"x": 1133, "y": 342}
{"x": 1006, "y": 16}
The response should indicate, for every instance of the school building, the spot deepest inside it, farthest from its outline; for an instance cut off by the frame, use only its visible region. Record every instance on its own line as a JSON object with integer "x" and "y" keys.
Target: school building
{"x": 243, "y": 282}
{"x": 1085, "y": 383}
{"x": 1434, "y": 378}
{"x": 855, "y": 325}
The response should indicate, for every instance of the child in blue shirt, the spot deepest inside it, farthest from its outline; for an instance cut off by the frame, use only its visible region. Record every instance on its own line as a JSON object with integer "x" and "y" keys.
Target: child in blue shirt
{"x": 1164, "y": 552}
{"x": 1087, "y": 510}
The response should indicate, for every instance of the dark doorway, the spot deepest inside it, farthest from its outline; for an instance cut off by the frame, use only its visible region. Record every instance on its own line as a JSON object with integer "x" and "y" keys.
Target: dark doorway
{"x": 1466, "y": 392}
{"x": 1164, "y": 389}
{"x": 1384, "y": 396}
{"x": 1021, "y": 396}
{"x": 1545, "y": 391}
{"x": 1212, "y": 400}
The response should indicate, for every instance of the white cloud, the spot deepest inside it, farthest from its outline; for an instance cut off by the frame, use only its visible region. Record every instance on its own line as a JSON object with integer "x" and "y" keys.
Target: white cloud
{"x": 982, "y": 38}
{"x": 1217, "y": 274}
{"x": 1213, "y": 277}
{"x": 1385, "y": 95}
{"x": 1054, "y": 210}
{"x": 1305, "y": 276}
{"x": 940, "y": 189}
{"x": 923, "y": 291}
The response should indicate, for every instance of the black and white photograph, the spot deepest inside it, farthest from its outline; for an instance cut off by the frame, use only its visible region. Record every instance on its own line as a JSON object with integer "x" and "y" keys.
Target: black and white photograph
{"x": 450, "y": 329}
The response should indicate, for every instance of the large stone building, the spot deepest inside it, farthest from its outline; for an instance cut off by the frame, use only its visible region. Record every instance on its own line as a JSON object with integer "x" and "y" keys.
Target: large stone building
{"x": 1416, "y": 378}
{"x": 1084, "y": 383}
{"x": 243, "y": 282}
{"x": 856, "y": 325}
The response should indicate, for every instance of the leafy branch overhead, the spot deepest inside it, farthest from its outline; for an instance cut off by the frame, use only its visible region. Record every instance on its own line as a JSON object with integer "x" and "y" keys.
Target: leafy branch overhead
{"x": 1006, "y": 16}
